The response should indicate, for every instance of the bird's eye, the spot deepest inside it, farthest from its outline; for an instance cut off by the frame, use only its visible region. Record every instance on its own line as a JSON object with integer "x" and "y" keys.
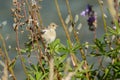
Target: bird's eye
{"x": 53, "y": 25}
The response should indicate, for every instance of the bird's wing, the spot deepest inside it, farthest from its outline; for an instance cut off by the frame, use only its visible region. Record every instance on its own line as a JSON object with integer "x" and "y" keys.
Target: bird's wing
{"x": 44, "y": 31}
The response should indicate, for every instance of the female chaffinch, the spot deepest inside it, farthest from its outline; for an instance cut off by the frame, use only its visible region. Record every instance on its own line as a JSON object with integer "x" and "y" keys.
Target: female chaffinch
{"x": 49, "y": 34}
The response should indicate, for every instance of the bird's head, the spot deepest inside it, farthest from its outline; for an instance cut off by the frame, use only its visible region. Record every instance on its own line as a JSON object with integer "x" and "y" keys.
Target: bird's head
{"x": 53, "y": 26}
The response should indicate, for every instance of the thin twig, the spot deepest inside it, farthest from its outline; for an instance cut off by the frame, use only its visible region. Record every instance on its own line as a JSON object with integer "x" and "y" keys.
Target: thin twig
{"x": 51, "y": 69}
{"x": 77, "y": 39}
{"x": 7, "y": 58}
{"x": 19, "y": 53}
{"x": 104, "y": 21}
{"x": 36, "y": 16}
{"x": 105, "y": 29}
{"x": 73, "y": 57}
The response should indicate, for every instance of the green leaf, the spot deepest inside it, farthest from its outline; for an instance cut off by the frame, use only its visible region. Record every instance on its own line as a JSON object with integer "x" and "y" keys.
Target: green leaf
{"x": 33, "y": 67}
{"x": 117, "y": 26}
{"x": 60, "y": 59}
{"x": 76, "y": 46}
{"x": 100, "y": 46}
{"x": 23, "y": 50}
{"x": 31, "y": 77}
{"x": 42, "y": 77}
{"x": 106, "y": 73}
{"x": 38, "y": 75}
{"x": 112, "y": 31}
{"x": 61, "y": 49}
{"x": 68, "y": 45}
{"x": 12, "y": 63}
{"x": 57, "y": 47}
{"x": 95, "y": 55}
{"x": 54, "y": 45}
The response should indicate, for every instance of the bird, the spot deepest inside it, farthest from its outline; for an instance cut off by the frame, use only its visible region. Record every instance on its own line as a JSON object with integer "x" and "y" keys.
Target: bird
{"x": 49, "y": 34}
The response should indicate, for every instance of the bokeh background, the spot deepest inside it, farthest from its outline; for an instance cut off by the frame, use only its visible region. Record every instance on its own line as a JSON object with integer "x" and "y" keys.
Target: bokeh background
{"x": 49, "y": 14}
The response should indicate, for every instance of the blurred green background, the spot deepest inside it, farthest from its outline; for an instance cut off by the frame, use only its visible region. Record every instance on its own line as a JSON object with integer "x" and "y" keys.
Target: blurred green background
{"x": 49, "y": 14}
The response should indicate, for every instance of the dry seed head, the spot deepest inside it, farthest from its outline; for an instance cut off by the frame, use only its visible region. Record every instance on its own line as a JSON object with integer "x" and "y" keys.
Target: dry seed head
{"x": 23, "y": 3}
{"x": 86, "y": 45}
{"x": 9, "y": 46}
{"x": 3, "y": 24}
{"x": 36, "y": 22}
{"x": 79, "y": 26}
{"x": 19, "y": 9}
{"x": 113, "y": 38}
{"x": 16, "y": 49}
{"x": 67, "y": 20}
{"x": 114, "y": 27}
{"x": 76, "y": 18}
{"x": 33, "y": 3}
{"x": 7, "y": 37}
{"x": 101, "y": 2}
{"x": 15, "y": 20}
{"x": 95, "y": 23}
{"x": 30, "y": 19}
{"x": 77, "y": 32}
{"x": 22, "y": 31}
{"x": 13, "y": 10}
{"x": 15, "y": 2}
{"x": 105, "y": 15}
{"x": 70, "y": 28}
{"x": 15, "y": 27}
{"x": 111, "y": 48}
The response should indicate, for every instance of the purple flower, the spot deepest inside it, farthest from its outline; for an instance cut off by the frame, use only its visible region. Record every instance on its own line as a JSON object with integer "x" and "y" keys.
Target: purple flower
{"x": 89, "y": 9}
{"x": 91, "y": 20}
{"x": 83, "y": 13}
